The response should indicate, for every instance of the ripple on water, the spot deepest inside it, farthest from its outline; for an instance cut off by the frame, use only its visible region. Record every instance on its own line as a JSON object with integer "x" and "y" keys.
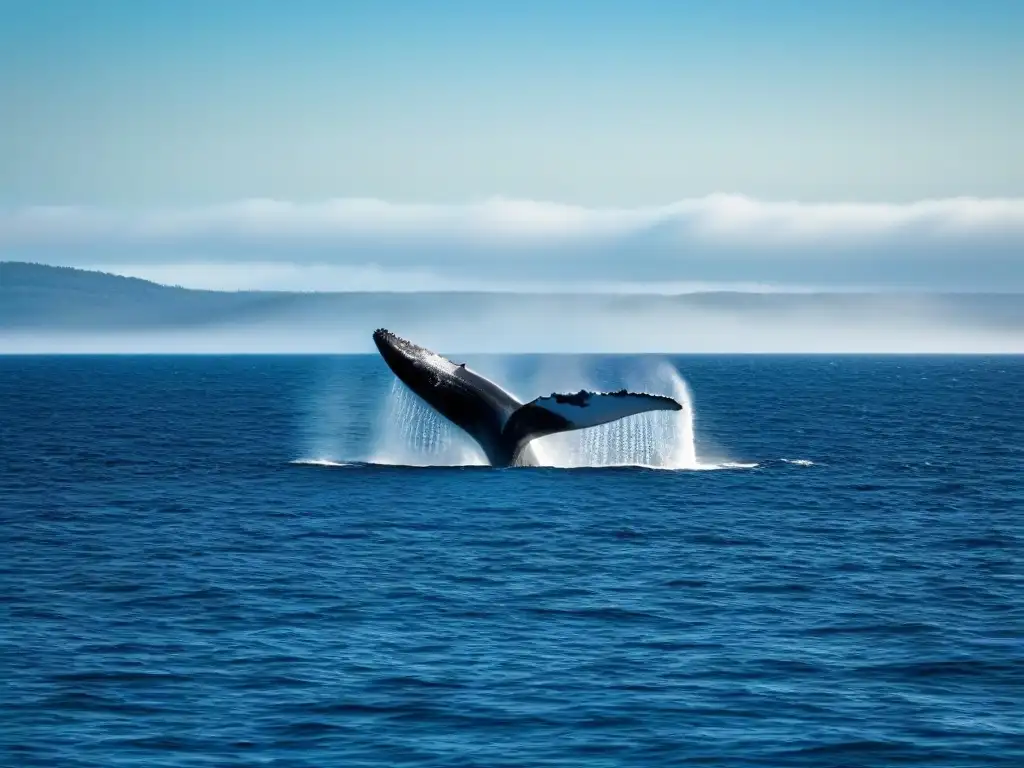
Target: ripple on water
{"x": 176, "y": 593}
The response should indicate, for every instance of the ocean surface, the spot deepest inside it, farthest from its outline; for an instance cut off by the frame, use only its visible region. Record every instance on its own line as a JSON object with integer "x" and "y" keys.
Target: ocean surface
{"x": 270, "y": 561}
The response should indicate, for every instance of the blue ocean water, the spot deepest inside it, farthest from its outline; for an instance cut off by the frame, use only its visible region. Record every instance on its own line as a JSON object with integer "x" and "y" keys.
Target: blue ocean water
{"x": 199, "y": 566}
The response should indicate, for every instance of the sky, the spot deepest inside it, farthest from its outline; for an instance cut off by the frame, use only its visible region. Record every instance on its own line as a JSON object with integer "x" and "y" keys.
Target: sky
{"x": 633, "y": 145}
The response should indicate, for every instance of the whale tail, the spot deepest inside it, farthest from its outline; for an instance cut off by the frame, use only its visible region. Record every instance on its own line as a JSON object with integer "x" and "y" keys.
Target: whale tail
{"x": 493, "y": 417}
{"x": 582, "y": 410}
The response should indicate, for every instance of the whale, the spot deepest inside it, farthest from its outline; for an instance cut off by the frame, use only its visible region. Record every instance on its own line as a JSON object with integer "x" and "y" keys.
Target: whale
{"x": 497, "y": 421}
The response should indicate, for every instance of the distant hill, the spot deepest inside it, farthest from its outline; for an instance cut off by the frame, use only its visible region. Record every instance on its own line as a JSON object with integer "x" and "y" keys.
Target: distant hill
{"x": 44, "y": 308}
{"x": 36, "y": 296}
{"x": 19, "y": 275}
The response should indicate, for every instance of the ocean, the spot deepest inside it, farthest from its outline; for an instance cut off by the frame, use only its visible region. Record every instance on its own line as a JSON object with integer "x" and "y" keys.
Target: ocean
{"x": 287, "y": 561}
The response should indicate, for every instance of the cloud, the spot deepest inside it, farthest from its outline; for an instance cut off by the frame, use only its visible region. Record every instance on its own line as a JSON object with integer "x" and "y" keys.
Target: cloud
{"x": 259, "y": 276}
{"x": 957, "y": 243}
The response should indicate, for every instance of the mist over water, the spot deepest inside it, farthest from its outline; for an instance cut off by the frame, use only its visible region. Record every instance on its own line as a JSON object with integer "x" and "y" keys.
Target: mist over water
{"x": 43, "y": 310}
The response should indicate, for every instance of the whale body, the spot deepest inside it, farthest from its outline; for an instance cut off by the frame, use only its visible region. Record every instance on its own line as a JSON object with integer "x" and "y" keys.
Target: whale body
{"x": 497, "y": 421}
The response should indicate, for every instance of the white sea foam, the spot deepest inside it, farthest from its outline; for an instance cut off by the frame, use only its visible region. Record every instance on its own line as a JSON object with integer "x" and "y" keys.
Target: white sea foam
{"x": 321, "y": 463}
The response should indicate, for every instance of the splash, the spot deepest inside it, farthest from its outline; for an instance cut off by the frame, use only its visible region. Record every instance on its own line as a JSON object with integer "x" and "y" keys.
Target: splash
{"x": 799, "y": 462}
{"x": 407, "y": 432}
{"x": 327, "y": 429}
{"x": 657, "y": 440}
{"x": 320, "y": 463}
{"x": 411, "y": 433}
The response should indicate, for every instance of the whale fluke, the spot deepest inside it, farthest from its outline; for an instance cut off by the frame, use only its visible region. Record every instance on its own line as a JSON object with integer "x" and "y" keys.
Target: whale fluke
{"x": 567, "y": 412}
{"x": 494, "y": 418}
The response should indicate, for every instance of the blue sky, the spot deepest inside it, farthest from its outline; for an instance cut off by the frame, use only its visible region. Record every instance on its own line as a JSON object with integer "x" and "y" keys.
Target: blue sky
{"x": 142, "y": 106}
{"x": 625, "y": 103}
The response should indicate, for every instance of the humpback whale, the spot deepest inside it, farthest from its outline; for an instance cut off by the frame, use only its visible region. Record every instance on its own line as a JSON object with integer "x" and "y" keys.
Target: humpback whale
{"x": 497, "y": 421}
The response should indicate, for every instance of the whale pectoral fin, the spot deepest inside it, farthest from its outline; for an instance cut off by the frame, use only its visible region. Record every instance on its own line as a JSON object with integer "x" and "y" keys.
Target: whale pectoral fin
{"x": 566, "y": 412}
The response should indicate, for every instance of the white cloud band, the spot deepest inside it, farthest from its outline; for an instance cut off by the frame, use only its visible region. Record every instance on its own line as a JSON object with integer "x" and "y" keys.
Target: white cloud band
{"x": 926, "y": 244}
